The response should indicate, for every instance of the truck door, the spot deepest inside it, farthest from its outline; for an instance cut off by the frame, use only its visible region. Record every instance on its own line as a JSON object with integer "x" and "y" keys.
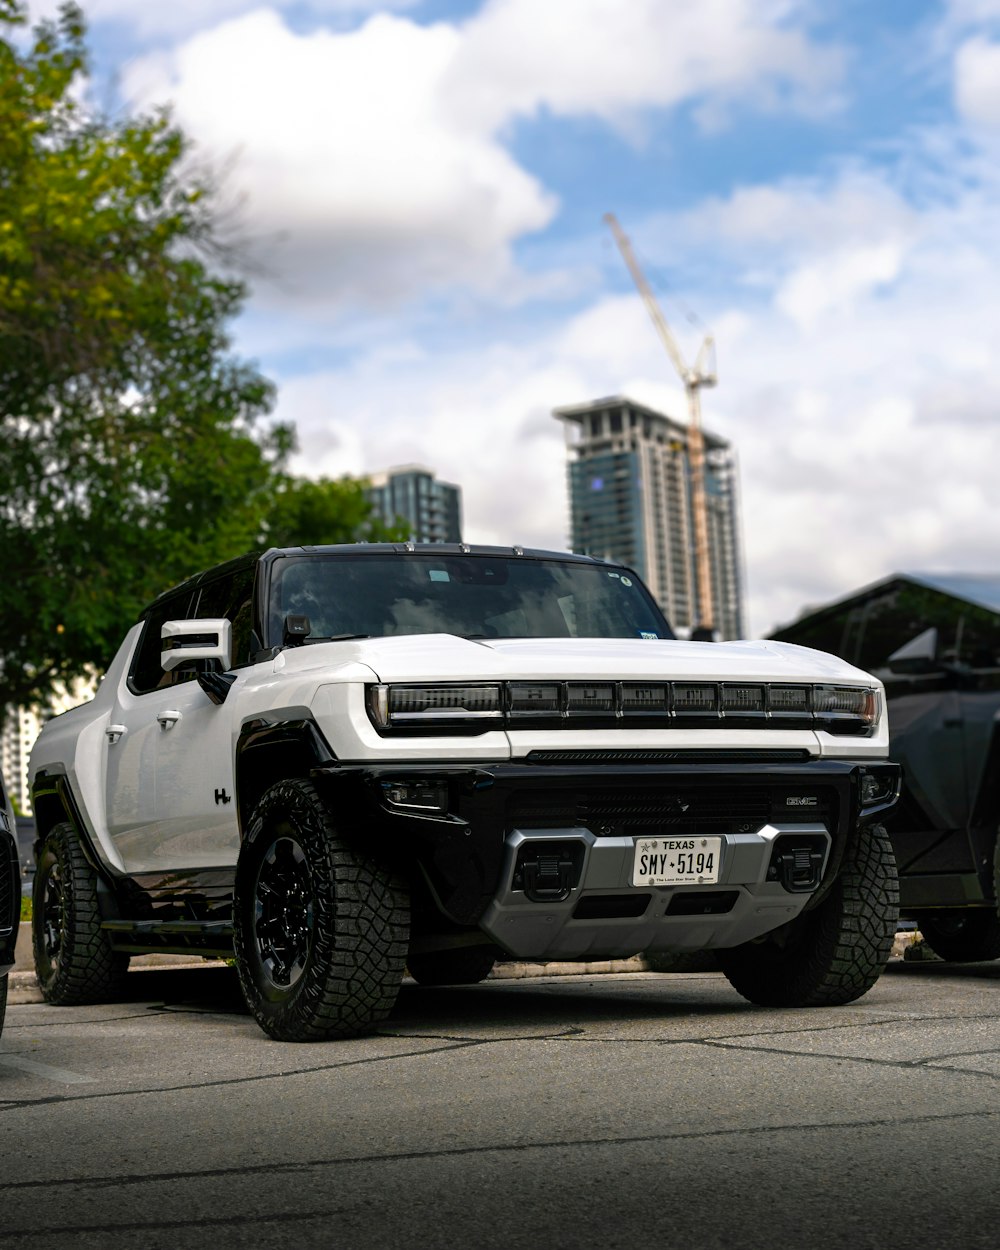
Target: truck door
{"x": 170, "y": 786}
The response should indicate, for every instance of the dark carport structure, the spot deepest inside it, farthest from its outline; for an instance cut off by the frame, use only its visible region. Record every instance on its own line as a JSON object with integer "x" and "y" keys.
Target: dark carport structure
{"x": 934, "y": 640}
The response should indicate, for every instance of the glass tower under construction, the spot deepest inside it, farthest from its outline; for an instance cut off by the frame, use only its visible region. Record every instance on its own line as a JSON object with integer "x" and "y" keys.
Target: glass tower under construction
{"x": 631, "y": 500}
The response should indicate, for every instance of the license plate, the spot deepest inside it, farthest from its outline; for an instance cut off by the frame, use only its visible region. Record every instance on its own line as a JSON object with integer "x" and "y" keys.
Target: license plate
{"x": 676, "y": 861}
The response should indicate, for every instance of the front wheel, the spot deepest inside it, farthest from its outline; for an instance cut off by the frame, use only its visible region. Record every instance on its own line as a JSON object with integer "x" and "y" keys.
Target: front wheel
{"x": 321, "y": 930}
{"x": 834, "y": 953}
{"x": 961, "y": 934}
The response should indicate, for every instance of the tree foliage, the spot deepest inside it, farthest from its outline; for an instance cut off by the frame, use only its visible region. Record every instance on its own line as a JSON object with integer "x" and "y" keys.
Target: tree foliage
{"x": 322, "y": 510}
{"x": 133, "y": 452}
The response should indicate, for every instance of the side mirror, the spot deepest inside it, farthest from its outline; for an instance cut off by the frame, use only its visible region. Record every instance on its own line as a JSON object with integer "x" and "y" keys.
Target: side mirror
{"x": 295, "y": 630}
{"x": 919, "y": 655}
{"x": 183, "y": 642}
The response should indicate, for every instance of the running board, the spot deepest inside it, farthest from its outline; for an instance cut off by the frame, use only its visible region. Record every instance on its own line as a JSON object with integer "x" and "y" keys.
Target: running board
{"x": 189, "y": 928}
{"x": 208, "y": 938}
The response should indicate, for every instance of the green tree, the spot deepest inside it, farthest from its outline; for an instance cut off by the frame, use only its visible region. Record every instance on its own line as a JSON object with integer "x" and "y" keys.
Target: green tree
{"x": 322, "y": 510}
{"x": 133, "y": 452}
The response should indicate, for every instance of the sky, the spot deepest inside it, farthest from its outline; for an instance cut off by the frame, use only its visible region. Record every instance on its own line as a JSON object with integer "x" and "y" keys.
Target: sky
{"x": 420, "y": 185}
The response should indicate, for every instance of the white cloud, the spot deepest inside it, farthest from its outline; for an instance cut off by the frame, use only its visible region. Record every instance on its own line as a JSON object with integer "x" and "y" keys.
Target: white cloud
{"x": 357, "y": 185}
{"x": 612, "y": 60}
{"x": 835, "y": 281}
{"x": 977, "y": 82}
{"x": 371, "y": 163}
{"x": 972, "y": 12}
{"x": 788, "y": 219}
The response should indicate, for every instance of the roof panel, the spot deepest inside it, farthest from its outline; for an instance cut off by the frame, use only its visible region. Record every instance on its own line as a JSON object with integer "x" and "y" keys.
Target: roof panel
{"x": 982, "y": 589}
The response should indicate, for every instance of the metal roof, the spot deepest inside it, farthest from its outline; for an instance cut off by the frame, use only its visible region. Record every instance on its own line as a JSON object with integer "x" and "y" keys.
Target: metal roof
{"x": 982, "y": 589}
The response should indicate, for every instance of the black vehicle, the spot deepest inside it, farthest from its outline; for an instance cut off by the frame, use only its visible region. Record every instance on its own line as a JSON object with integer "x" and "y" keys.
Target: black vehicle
{"x": 10, "y": 894}
{"x": 26, "y": 835}
{"x": 935, "y": 643}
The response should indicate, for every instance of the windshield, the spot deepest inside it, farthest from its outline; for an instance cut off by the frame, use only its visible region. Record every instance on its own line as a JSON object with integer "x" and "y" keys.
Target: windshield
{"x": 474, "y": 596}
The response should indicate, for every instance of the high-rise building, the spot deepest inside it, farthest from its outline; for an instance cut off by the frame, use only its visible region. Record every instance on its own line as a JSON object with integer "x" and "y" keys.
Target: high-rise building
{"x": 22, "y": 725}
{"x": 17, "y": 736}
{"x": 432, "y": 509}
{"x": 631, "y": 500}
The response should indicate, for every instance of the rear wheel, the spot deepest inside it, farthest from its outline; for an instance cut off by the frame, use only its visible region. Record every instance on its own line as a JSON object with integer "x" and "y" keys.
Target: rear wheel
{"x": 464, "y": 965}
{"x": 834, "y": 953}
{"x": 321, "y": 930}
{"x": 961, "y": 934}
{"x": 74, "y": 959}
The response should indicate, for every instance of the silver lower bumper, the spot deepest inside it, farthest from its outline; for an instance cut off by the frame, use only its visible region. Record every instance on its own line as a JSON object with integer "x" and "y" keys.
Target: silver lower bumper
{"x": 549, "y": 929}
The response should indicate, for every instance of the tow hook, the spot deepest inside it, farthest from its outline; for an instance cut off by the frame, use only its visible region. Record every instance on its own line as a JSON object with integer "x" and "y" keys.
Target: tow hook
{"x": 548, "y": 879}
{"x": 797, "y": 867}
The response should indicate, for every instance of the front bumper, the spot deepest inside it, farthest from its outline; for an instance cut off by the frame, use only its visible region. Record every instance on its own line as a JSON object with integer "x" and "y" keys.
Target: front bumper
{"x": 471, "y": 832}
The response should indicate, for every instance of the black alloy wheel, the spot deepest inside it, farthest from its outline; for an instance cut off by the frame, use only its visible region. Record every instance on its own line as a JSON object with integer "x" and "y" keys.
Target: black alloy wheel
{"x": 52, "y": 919}
{"x": 284, "y": 914}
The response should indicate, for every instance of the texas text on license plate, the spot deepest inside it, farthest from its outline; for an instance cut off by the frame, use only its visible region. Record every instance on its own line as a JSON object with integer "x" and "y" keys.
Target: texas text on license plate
{"x": 676, "y": 861}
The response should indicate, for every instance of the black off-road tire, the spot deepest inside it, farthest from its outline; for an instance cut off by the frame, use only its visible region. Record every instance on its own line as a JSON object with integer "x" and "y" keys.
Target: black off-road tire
{"x": 961, "y": 934}
{"x": 834, "y": 953}
{"x": 464, "y": 965}
{"x": 321, "y": 930}
{"x": 74, "y": 959}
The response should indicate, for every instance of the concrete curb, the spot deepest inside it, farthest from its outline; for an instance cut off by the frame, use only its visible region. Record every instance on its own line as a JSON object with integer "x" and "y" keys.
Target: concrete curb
{"x": 23, "y": 988}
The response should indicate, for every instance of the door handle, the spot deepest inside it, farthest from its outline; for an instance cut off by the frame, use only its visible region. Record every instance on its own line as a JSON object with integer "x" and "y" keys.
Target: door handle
{"x": 114, "y": 733}
{"x": 168, "y": 718}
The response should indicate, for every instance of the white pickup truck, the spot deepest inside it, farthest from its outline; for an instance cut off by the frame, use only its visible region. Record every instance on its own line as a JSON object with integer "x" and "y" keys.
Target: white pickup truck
{"x": 341, "y": 763}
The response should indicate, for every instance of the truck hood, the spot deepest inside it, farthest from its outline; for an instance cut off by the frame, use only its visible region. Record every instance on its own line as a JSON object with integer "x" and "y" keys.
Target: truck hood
{"x": 446, "y": 657}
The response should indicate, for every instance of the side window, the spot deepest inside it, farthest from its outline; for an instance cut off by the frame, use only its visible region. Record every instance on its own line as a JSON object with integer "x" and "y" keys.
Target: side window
{"x": 231, "y": 597}
{"x": 147, "y": 675}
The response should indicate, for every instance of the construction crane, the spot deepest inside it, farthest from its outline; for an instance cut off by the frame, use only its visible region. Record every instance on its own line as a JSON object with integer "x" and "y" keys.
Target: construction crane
{"x": 694, "y": 377}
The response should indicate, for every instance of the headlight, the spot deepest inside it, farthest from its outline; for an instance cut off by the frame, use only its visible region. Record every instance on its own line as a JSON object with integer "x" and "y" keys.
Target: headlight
{"x": 443, "y": 708}
{"x": 847, "y": 706}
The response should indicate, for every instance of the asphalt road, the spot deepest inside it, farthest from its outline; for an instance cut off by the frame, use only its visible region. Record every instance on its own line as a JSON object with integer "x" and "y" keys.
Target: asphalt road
{"x": 591, "y": 1111}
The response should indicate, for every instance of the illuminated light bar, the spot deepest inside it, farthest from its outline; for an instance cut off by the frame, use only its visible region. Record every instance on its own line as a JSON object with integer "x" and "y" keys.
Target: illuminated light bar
{"x": 529, "y": 698}
{"x": 789, "y": 699}
{"x": 652, "y": 698}
{"x": 586, "y": 700}
{"x": 695, "y": 699}
{"x": 439, "y": 704}
{"x": 472, "y": 708}
{"x": 743, "y": 700}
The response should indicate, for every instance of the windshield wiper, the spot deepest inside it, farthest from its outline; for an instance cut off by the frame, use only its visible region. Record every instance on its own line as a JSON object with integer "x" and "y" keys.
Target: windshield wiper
{"x": 335, "y": 637}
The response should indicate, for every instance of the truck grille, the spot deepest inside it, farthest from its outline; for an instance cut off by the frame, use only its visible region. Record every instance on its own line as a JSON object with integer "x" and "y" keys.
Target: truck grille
{"x": 696, "y": 809}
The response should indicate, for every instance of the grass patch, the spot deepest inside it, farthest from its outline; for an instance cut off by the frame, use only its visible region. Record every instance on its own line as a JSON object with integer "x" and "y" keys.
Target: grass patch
{"x": 25, "y": 906}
